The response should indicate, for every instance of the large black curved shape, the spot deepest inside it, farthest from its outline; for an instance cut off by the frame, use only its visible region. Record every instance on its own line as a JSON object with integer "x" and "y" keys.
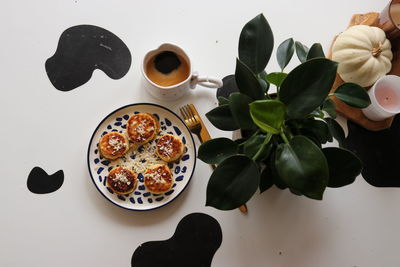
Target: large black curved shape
{"x": 379, "y": 152}
{"x": 39, "y": 182}
{"x": 194, "y": 243}
{"x": 82, "y": 49}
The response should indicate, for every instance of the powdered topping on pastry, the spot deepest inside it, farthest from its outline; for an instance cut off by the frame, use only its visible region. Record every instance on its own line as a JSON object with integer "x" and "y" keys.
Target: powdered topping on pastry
{"x": 113, "y": 145}
{"x": 122, "y": 180}
{"x": 169, "y": 148}
{"x": 158, "y": 179}
{"x": 142, "y": 128}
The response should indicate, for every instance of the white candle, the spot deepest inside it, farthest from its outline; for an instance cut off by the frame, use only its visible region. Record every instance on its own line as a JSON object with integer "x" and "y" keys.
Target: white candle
{"x": 385, "y": 98}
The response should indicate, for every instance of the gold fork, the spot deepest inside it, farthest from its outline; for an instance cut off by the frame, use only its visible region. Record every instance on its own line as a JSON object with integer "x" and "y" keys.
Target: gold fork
{"x": 196, "y": 126}
{"x": 193, "y": 121}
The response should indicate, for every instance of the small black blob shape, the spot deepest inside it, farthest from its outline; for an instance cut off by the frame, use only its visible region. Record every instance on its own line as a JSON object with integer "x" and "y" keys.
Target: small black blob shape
{"x": 194, "y": 243}
{"x": 82, "y": 49}
{"x": 379, "y": 152}
{"x": 229, "y": 86}
{"x": 39, "y": 182}
{"x": 166, "y": 62}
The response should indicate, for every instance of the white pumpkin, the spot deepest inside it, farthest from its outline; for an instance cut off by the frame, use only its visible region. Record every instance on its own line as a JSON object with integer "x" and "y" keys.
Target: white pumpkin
{"x": 364, "y": 54}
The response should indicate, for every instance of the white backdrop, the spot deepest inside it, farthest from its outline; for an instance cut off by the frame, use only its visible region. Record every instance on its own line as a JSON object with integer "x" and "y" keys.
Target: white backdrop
{"x": 75, "y": 226}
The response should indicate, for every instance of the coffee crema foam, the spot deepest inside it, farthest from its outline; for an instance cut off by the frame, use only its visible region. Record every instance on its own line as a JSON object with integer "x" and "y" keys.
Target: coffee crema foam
{"x": 167, "y": 68}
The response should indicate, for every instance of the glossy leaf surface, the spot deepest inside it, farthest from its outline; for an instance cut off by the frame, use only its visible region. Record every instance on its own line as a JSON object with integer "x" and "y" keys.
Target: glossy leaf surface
{"x": 303, "y": 167}
{"x": 216, "y": 150}
{"x": 269, "y": 115}
{"x": 256, "y": 43}
{"x": 353, "y": 95}
{"x": 307, "y": 86}
{"x": 285, "y": 52}
{"x": 247, "y": 81}
{"x": 233, "y": 183}
{"x": 222, "y": 118}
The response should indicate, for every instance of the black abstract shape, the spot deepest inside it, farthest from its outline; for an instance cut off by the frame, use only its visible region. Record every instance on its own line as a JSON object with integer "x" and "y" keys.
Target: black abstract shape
{"x": 194, "y": 243}
{"x": 82, "y": 49}
{"x": 39, "y": 182}
{"x": 229, "y": 86}
{"x": 379, "y": 152}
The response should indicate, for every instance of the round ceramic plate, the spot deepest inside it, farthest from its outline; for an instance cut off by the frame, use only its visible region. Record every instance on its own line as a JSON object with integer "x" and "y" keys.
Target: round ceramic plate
{"x": 141, "y": 199}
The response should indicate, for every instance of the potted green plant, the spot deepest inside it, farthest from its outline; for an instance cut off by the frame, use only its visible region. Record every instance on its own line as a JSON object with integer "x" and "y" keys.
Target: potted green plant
{"x": 282, "y": 134}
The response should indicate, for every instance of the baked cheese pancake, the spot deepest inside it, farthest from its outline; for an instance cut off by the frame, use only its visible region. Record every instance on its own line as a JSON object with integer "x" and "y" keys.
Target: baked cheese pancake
{"x": 158, "y": 179}
{"x": 122, "y": 180}
{"x": 169, "y": 148}
{"x": 113, "y": 145}
{"x": 142, "y": 128}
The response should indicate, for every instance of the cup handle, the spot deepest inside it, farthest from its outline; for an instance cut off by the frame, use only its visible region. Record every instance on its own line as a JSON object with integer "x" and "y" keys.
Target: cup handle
{"x": 208, "y": 82}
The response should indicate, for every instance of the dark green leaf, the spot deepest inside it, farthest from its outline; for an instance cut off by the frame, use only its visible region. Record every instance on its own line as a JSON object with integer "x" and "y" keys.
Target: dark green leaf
{"x": 306, "y": 87}
{"x": 247, "y": 81}
{"x": 229, "y": 86}
{"x": 330, "y": 108}
{"x": 295, "y": 192}
{"x": 276, "y": 78}
{"x": 239, "y": 104}
{"x": 302, "y": 166}
{"x": 252, "y": 145}
{"x": 248, "y": 133}
{"x": 270, "y": 162}
{"x": 315, "y": 51}
{"x": 285, "y": 52}
{"x": 344, "y": 166}
{"x": 317, "y": 113}
{"x": 216, "y": 150}
{"x": 317, "y": 128}
{"x": 301, "y": 51}
{"x": 269, "y": 115}
{"x": 222, "y": 101}
{"x": 257, "y": 144}
{"x": 221, "y": 117}
{"x": 266, "y": 179}
{"x": 353, "y": 95}
{"x": 264, "y": 85}
{"x": 336, "y": 131}
{"x": 233, "y": 183}
{"x": 256, "y": 43}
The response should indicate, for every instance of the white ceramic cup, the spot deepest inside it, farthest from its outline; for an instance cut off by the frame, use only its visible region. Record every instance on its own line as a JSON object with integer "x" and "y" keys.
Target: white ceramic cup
{"x": 385, "y": 98}
{"x": 176, "y": 91}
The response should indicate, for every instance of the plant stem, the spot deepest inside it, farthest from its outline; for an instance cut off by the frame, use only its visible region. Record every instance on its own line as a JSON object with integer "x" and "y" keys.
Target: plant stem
{"x": 266, "y": 141}
{"x": 331, "y": 94}
{"x": 282, "y": 133}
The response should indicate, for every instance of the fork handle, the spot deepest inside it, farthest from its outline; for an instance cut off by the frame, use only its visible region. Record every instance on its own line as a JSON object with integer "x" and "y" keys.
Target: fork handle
{"x": 204, "y": 135}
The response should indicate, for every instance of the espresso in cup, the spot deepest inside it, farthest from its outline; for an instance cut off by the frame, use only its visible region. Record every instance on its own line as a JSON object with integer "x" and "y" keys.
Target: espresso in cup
{"x": 167, "y": 68}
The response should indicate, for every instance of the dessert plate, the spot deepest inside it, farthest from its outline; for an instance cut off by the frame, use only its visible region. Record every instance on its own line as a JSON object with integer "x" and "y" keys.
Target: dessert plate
{"x": 141, "y": 199}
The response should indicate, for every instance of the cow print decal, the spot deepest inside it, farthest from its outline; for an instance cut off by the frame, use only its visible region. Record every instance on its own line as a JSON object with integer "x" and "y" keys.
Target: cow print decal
{"x": 82, "y": 49}
{"x": 194, "y": 243}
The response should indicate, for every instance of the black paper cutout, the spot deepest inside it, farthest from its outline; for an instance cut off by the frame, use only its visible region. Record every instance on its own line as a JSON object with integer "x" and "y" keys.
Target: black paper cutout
{"x": 229, "y": 86}
{"x": 194, "y": 243}
{"x": 379, "y": 152}
{"x": 82, "y": 49}
{"x": 39, "y": 182}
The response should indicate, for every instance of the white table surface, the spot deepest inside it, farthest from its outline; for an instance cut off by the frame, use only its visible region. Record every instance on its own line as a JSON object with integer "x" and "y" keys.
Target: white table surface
{"x": 75, "y": 226}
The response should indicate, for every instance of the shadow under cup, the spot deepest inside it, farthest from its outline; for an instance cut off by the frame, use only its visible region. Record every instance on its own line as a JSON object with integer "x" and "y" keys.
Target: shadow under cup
{"x": 389, "y": 19}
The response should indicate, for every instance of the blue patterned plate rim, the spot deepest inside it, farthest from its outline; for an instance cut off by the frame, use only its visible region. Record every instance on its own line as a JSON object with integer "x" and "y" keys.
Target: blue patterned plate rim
{"x": 141, "y": 104}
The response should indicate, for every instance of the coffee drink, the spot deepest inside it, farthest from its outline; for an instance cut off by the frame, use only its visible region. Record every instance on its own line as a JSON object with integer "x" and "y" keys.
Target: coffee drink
{"x": 167, "y": 68}
{"x": 169, "y": 75}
